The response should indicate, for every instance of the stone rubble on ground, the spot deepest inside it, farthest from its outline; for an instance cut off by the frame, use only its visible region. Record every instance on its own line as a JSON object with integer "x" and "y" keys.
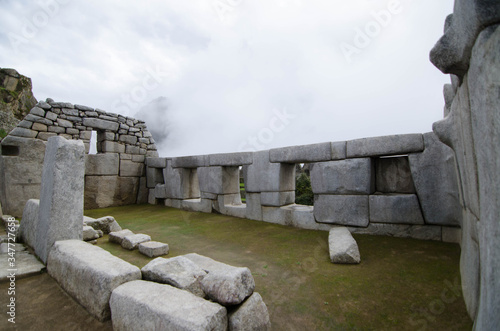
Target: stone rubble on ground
{"x": 343, "y": 248}
{"x": 153, "y": 248}
{"x": 117, "y": 237}
{"x": 106, "y": 224}
{"x": 131, "y": 242}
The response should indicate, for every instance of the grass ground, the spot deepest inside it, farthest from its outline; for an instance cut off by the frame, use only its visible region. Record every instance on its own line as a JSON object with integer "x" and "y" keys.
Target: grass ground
{"x": 401, "y": 284}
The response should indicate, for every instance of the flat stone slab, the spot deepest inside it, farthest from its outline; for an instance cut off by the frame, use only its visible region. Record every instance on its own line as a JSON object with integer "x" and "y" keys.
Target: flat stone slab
{"x": 4, "y": 247}
{"x": 395, "y": 209}
{"x": 132, "y": 241}
{"x": 224, "y": 284}
{"x": 252, "y": 314}
{"x": 386, "y": 145}
{"x": 153, "y": 248}
{"x": 89, "y": 274}
{"x": 350, "y": 210}
{"x": 117, "y": 237}
{"x": 343, "y": 248}
{"x": 179, "y": 271}
{"x": 26, "y": 265}
{"x": 143, "y": 305}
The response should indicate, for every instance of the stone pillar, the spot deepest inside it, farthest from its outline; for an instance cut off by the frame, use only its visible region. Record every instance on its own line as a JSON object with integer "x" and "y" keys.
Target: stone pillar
{"x": 61, "y": 195}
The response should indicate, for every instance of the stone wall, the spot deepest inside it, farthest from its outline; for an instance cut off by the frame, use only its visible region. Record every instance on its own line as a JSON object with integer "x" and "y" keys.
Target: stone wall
{"x": 470, "y": 52}
{"x": 403, "y": 185}
{"x": 114, "y": 176}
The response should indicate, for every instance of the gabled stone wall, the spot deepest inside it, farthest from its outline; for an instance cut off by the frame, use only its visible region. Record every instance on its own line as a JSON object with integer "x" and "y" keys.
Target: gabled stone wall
{"x": 114, "y": 176}
{"x": 403, "y": 185}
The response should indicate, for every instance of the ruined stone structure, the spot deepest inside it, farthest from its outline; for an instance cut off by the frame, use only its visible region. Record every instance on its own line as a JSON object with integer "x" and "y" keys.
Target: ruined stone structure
{"x": 113, "y": 177}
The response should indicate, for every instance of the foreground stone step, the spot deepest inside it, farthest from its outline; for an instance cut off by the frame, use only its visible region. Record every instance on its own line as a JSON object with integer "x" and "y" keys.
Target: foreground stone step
{"x": 143, "y": 305}
{"x": 89, "y": 274}
{"x": 26, "y": 264}
{"x": 178, "y": 271}
{"x": 132, "y": 241}
{"x": 153, "y": 248}
{"x": 252, "y": 314}
{"x": 224, "y": 284}
{"x": 343, "y": 247}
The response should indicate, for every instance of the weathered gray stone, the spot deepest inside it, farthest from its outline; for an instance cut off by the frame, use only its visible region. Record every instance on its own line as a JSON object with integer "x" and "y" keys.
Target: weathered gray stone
{"x": 106, "y": 191}
{"x": 133, "y": 240}
{"x": 339, "y": 150}
{"x": 252, "y": 314}
{"x": 274, "y": 215}
{"x": 484, "y": 106}
{"x": 107, "y": 164}
{"x": 452, "y": 52}
{"x": 105, "y": 224}
{"x": 37, "y": 111}
{"x": 393, "y": 175}
{"x": 39, "y": 127}
{"x": 117, "y": 236}
{"x": 342, "y": 246}
{"x": 43, "y": 105}
{"x": 46, "y": 135}
{"x": 277, "y": 199}
{"x": 132, "y": 140}
{"x": 182, "y": 183}
{"x": 141, "y": 305}
{"x": 198, "y": 205}
{"x": 160, "y": 191}
{"x": 156, "y": 162}
{"x": 38, "y": 119}
{"x": 131, "y": 169}
{"x": 61, "y": 195}
{"x": 133, "y": 149}
{"x": 253, "y": 206}
{"x": 230, "y": 159}
{"x": 51, "y": 116}
{"x": 395, "y": 209}
{"x": 29, "y": 222}
{"x": 153, "y": 248}
{"x": 138, "y": 158}
{"x": 89, "y": 274}
{"x": 22, "y": 132}
{"x": 302, "y": 154}
{"x": 342, "y": 209}
{"x": 264, "y": 176}
{"x": 451, "y": 235}
{"x": 112, "y": 147}
{"x": 352, "y": 176}
{"x": 385, "y": 146}
{"x": 219, "y": 180}
{"x": 435, "y": 177}
{"x": 302, "y": 217}
{"x": 470, "y": 271}
{"x": 84, "y": 108}
{"x": 25, "y": 124}
{"x": 56, "y": 129}
{"x": 6, "y": 248}
{"x": 70, "y": 111}
{"x": 89, "y": 233}
{"x": 422, "y": 232}
{"x": 26, "y": 265}
{"x": 64, "y": 123}
{"x": 97, "y": 123}
{"x": 178, "y": 271}
{"x": 190, "y": 161}
{"x": 73, "y": 131}
{"x": 224, "y": 284}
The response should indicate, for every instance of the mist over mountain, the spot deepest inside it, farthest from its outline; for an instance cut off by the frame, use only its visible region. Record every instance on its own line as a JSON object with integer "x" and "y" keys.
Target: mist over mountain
{"x": 156, "y": 114}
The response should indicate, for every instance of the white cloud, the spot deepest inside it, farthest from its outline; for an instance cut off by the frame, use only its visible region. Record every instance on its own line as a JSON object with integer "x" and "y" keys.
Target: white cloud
{"x": 227, "y": 71}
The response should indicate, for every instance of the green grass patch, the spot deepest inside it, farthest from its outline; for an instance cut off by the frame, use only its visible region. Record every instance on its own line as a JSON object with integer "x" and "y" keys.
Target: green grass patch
{"x": 399, "y": 284}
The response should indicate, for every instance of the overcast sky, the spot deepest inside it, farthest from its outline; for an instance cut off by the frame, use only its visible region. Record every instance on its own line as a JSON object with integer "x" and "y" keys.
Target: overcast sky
{"x": 236, "y": 75}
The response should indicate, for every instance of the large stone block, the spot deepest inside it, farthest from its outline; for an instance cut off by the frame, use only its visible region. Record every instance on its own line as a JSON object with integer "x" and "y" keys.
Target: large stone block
{"x": 102, "y": 164}
{"x": 452, "y": 52}
{"x": 301, "y": 216}
{"x": 395, "y": 209}
{"x": 141, "y": 305}
{"x": 252, "y": 314}
{"x": 339, "y": 150}
{"x": 131, "y": 169}
{"x": 277, "y": 199}
{"x": 301, "y": 154}
{"x": 131, "y": 241}
{"x": 107, "y": 191}
{"x": 484, "y": 105}
{"x": 156, "y": 162}
{"x": 393, "y": 175}
{"x": 422, "y": 232}
{"x": 264, "y": 176}
{"x": 253, "y": 206}
{"x": 100, "y": 124}
{"x": 153, "y": 248}
{"x": 117, "y": 236}
{"x": 349, "y": 210}
{"x": 224, "y": 284}
{"x": 219, "y": 180}
{"x": 89, "y": 274}
{"x": 435, "y": 176}
{"x": 29, "y": 222}
{"x": 181, "y": 183}
{"x": 386, "y": 145}
{"x": 154, "y": 176}
{"x": 350, "y": 177}
{"x": 178, "y": 271}
{"x": 342, "y": 246}
{"x": 197, "y": 205}
{"x": 22, "y": 132}
{"x": 230, "y": 159}
{"x": 105, "y": 224}
{"x": 112, "y": 147}
{"x": 61, "y": 196}
{"x": 190, "y": 161}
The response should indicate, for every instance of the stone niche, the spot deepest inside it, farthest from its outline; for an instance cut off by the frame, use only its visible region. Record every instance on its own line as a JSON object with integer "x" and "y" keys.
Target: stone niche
{"x": 114, "y": 176}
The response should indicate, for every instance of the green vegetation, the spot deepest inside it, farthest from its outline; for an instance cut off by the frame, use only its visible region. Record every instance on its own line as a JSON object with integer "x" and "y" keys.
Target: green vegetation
{"x": 242, "y": 191}
{"x": 401, "y": 284}
{"x": 303, "y": 190}
{"x": 3, "y": 133}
